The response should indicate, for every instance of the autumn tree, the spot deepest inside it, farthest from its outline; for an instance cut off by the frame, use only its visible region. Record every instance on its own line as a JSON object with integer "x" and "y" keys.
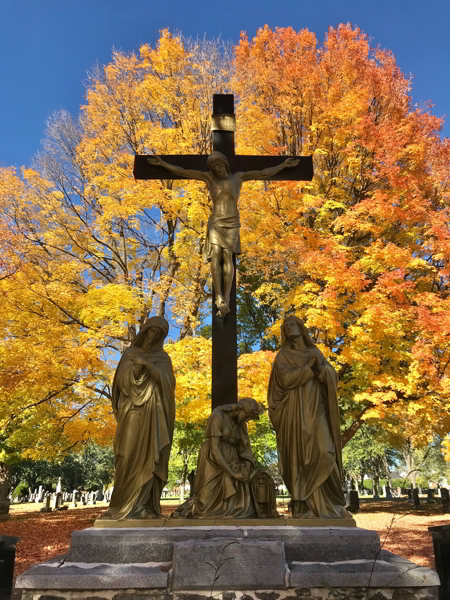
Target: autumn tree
{"x": 361, "y": 253}
{"x": 99, "y": 251}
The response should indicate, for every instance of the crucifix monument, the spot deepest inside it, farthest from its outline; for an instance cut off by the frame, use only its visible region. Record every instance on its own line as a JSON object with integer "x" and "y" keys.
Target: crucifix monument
{"x": 223, "y": 172}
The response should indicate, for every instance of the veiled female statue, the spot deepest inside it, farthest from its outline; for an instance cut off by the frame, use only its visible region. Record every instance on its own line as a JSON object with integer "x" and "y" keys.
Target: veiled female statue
{"x": 304, "y": 411}
{"x": 225, "y": 462}
{"x": 143, "y": 399}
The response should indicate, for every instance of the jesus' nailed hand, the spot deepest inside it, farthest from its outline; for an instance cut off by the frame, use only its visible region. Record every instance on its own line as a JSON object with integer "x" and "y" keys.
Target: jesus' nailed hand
{"x": 223, "y": 237}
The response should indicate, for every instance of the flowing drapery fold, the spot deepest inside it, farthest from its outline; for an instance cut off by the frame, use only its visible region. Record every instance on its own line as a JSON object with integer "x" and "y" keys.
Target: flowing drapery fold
{"x": 217, "y": 494}
{"x": 144, "y": 406}
{"x": 304, "y": 411}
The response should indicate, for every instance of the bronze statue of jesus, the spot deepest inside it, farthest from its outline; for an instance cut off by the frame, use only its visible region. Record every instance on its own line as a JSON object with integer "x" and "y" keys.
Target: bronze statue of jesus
{"x": 223, "y": 233}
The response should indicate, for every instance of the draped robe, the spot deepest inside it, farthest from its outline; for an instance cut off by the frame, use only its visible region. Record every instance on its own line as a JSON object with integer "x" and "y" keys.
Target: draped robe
{"x": 222, "y": 231}
{"x": 304, "y": 411}
{"x": 144, "y": 407}
{"x": 216, "y": 493}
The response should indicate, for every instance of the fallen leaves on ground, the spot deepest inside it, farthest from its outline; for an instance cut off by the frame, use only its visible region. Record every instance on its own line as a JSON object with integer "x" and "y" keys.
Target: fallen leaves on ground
{"x": 402, "y": 529}
{"x": 45, "y": 535}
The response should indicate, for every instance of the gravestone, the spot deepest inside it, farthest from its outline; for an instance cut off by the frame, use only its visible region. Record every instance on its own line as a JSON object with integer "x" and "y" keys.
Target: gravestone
{"x": 58, "y": 500}
{"x": 100, "y": 494}
{"x": 430, "y": 498}
{"x": 353, "y": 504}
{"x": 191, "y": 479}
{"x": 47, "y": 508}
{"x": 445, "y": 496}
{"x": 41, "y": 494}
{"x": 441, "y": 547}
{"x": 7, "y": 560}
{"x": 388, "y": 492}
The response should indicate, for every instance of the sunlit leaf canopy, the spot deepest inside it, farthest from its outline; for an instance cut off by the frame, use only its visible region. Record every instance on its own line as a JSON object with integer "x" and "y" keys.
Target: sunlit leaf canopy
{"x": 361, "y": 253}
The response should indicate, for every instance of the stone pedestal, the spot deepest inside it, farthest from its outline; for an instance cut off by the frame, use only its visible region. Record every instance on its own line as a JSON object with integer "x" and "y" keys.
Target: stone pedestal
{"x": 227, "y": 562}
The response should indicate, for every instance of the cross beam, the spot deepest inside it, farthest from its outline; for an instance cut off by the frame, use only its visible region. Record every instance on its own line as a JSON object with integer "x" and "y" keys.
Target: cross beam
{"x": 243, "y": 162}
{"x": 224, "y": 330}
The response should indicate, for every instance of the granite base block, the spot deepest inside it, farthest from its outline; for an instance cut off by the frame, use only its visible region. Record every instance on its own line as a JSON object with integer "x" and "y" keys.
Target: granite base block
{"x": 82, "y": 576}
{"x": 229, "y": 565}
{"x": 363, "y": 574}
{"x": 140, "y": 544}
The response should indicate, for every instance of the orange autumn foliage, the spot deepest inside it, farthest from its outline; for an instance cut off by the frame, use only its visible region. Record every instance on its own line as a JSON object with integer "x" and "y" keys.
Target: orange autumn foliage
{"x": 362, "y": 251}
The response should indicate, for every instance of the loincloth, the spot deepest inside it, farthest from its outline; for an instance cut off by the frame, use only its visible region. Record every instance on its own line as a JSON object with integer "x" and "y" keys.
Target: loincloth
{"x": 223, "y": 232}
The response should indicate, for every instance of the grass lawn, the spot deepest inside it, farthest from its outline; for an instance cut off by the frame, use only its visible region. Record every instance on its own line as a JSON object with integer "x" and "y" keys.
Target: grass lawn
{"x": 44, "y": 535}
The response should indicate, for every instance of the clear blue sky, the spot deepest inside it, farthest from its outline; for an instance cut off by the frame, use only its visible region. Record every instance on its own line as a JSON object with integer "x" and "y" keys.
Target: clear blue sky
{"x": 47, "y": 46}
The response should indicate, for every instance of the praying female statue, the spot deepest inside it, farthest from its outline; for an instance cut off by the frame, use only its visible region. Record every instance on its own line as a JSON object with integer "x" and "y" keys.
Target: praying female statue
{"x": 143, "y": 399}
{"x": 304, "y": 411}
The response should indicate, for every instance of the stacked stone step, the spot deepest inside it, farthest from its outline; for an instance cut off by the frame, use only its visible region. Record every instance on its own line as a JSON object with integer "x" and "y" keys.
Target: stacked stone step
{"x": 226, "y": 560}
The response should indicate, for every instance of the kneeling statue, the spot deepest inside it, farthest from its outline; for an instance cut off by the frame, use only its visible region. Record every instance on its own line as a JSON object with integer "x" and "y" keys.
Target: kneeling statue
{"x": 225, "y": 462}
{"x": 143, "y": 399}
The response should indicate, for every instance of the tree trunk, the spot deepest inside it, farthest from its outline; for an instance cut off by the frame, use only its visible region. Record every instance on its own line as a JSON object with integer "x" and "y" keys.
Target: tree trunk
{"x": 410, "y": 464}
{"x": 387, "y": 471}
{"x": 347, "y": 435}
{"x": 362, "y": 473}
{"x": 4, "y": 481}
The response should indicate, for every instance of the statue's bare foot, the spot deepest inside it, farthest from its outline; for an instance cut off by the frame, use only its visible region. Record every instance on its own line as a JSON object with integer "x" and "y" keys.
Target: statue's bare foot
{"x": 222, "y": 306}
{"x": 223, "y": 309}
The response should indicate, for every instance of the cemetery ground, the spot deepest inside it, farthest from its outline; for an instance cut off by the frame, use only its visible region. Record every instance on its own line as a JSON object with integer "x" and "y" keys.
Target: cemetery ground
{"x": 403, "y": 530}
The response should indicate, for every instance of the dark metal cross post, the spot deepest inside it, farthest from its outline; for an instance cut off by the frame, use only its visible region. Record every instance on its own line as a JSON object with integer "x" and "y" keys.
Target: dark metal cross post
{"x": 224, "y": 331}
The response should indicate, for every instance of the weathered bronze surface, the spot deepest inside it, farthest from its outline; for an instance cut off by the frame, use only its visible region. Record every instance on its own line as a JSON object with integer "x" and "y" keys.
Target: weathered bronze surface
{"x": 264, "y": 495}
{"x": 223, "y": 234}
{"x": 304, "y": 411}
{"x": 144, "y": 407}
{"x": 224, "y": 330}
{"x": 225, "y": 462}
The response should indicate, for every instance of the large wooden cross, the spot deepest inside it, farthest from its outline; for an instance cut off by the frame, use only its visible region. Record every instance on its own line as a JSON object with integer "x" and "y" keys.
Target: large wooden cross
{"x": 224, "y": 331}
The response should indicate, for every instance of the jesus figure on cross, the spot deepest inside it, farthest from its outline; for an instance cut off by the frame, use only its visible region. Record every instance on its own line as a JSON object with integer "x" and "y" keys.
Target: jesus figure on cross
{"x": 223, "y": 233}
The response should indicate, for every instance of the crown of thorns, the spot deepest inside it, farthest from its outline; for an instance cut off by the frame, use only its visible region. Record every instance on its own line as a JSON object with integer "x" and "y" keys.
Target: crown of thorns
{"x": 217, "y": 156}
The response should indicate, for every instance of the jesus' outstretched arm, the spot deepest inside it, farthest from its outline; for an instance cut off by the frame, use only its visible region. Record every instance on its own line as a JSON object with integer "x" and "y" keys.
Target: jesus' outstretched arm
{"x": 157, "y": 161}
{"x": 268, "y": 173}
